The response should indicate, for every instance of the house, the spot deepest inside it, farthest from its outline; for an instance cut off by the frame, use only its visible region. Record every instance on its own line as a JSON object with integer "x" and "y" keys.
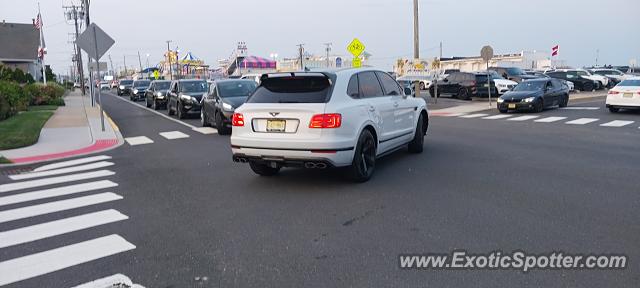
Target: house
{"x": 19, "y": 47}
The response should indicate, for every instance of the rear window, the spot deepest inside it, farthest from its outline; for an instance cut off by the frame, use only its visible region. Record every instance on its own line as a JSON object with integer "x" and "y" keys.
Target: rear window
{"x": 481, "y": 79}
{"x": 630, "y": 83}
{"x": 126, "y": 82}
{"x": 298, "y": 89}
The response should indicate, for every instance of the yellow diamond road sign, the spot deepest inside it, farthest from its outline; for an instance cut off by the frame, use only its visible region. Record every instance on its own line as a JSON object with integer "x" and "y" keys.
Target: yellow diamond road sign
{"x": 356, "y": 47}
{"x": 156, "y": 74}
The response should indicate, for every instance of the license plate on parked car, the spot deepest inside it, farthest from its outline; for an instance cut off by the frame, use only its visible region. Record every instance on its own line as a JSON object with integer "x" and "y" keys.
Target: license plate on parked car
{"x": 627, "y": 95}
{"x": 512, "y": 106}
{"x": 276, "y": 125}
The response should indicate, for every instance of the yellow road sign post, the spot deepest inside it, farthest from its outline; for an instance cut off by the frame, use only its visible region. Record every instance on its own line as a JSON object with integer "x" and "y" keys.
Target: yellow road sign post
{"x": 156, "y": 74}
{"x": 357, "y": 62}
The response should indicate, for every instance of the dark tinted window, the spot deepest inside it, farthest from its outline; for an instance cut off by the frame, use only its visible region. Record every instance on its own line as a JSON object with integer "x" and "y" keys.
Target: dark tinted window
{"x": 481, "y": 79}
{"x": 162, "y": 85}
{"x": 141, "y": 83}
{"x": 298, "y": 89}
{"x": 390, "y": 86}
{"x": 126, "y": 82}
{"x": 352, "y": 89}
{"x": 453, "y": 77}
{"x": 236, "y": 88}
{"x": 193, "y": 86}
{"x": 369, "y": 85}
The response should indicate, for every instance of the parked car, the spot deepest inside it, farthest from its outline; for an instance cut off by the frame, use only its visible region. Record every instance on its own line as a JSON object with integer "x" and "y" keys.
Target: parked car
{"x": 625, "y": 95}
{"x": 601, "y": 81}
{"x": 157, "y": 94}
{"x": 185, "y": 96}
{"x": 223, "y": 98}
{"x": 138, "y": 89}
{"x": 502, "y": 85}
{"x": 113, "y": 84}
{"x": 580, "y": 83}
{"x": 252, "y": 76}
{"x": 464, "y": 85}
{"x": 345, "y": 117}
{"x": 535, "y": 95}
{"x": 513, "y": 73}
{"x": 615, "y": 76}
{"x": 125, "y": 87}
{"x": 425, "y": 81}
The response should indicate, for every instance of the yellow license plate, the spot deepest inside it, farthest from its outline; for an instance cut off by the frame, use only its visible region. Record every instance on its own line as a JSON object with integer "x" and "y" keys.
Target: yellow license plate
{"x": 627, "y": 95}
{"x": 276, "y": 125}
{"x": 512, "y": 106}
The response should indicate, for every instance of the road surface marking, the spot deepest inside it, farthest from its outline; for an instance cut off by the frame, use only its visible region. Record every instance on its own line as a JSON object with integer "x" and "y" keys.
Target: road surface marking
{"x": 617, "y": 123}
{"x": 54, "y": 180}
{"x": 582, "y": 121}
{"x": 580, "y": 108}
{"x": 550, "y": 119}
{"x": 33, "y": 265}
{"x": 173, "y": 135}
{"x": 55, "y": 192}
{"x": 206, "y": 130}
{"x": 91, "y": 166}
{"x": 496, "y": 117}
{"x": 59, "y": 227}
{"x": 133, "y": 141}
{"x": 473, "y": 115}
{"x": 523, "y": 118}
{"x": 71, "y": 163}
{"x": 57, "y": 206}
{"x": 153, "y": 111}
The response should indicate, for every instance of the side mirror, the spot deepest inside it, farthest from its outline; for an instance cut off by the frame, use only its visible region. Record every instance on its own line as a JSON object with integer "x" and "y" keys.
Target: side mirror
{"x": 445, "y": 80}
{"x": 408, "y": 91}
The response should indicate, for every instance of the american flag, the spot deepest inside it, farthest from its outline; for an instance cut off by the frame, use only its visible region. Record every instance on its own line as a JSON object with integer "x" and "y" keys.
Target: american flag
{"x": 38, "y": 22}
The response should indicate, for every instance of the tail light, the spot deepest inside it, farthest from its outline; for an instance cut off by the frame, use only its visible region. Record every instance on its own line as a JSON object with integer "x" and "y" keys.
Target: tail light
{"x": 474, "y": 83}
{"x": 237, "y": 120}
{"x": 326, "y": 121}
{"x": 613, "y": 92}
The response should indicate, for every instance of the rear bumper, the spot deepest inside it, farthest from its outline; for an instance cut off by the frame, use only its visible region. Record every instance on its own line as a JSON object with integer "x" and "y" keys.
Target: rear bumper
{"x": 621, "y": 101}
{"x": 296, "y": 158}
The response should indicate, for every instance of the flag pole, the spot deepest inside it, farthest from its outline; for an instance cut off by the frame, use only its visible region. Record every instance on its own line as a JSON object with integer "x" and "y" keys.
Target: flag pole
{"x": 44, "y": 74}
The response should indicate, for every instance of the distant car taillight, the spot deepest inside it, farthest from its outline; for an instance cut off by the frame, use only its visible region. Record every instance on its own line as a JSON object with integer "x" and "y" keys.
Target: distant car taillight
{"x": 237, "y": 120}
{"x": 326, "y": 121}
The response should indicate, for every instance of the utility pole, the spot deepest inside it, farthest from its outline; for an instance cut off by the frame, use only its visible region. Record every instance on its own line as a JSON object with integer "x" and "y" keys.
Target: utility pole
{"x": 73, "y": 13}
{"x": 435, "y": 87}
{"x": 597, "y": 56}
{"x": 124, "y": 57}
{"x": 169, "y": 58}
{"x": 112, "y": 70}
{"x": 140, "y": 62}
{"x": 301, "y": 50}
{"x": 328, "y": 49}
{"x": 416, "y": 42}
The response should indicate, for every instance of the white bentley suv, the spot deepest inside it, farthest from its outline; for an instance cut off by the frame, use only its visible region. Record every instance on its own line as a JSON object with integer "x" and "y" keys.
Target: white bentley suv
{"x": 334, "y": 118}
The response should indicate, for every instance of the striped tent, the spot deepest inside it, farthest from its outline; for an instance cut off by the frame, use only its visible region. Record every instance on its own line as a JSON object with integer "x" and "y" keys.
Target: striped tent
{"x": 257, "y": 62}
{"x": 190, "y": 58}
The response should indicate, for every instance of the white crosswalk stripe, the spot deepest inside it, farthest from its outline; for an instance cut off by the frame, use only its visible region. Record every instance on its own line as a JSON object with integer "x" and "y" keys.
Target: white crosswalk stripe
{"x": 496, "y": 117}
{"x": 473, "y": 115}
{"x": 580, "y": 108}
{"x": 206, "y": 130}
{"x": 550, "y": 119}
{"x": 87, "y": 194}
{"x": 171, "y": 135}
{"x": 523, "y": 118}
{"x": 582, "y": 121}
{"x": 139, "y": 140}
{"x": 617, "y": 123}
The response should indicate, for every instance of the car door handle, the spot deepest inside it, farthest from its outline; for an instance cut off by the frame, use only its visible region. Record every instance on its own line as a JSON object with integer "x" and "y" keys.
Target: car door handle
{"x": 395, "y": 104}
{"x": 372, "y": 109}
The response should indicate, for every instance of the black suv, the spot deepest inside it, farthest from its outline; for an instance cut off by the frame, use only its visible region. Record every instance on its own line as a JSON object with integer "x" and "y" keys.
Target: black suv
{"x": 223, "y": 98}
{"x": 157, "y": 94}
{"x": 464, "y": 85}
{"x": 124, "y": 87}
{"x": 580, "y": 83}
{"x": 139, "y": 87}
{"x": 185, "y": 96}
{"x": 513, "y": 73}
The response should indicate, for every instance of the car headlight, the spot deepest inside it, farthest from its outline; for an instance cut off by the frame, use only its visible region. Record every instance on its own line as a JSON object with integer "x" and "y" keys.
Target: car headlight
{"x": 529, "y": 100}
{"x": 159, "y": 94}
{"x": 500, "y": 100}
{"x": 135, "y": 91}
{"x": 121, "y": 86}
{"x": 185, "y": 98}
{"x": 227, "y": 106}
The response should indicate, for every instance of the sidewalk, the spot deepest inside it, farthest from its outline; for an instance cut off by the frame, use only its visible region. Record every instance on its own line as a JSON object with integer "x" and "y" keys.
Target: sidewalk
{"x": 73, "y": 130}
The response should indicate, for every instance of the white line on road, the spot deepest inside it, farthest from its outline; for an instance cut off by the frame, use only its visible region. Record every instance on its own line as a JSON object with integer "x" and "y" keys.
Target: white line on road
{"x": 617, "y": 123}
{"x": 71, "y": 163}
{"x": 57, "y": 206}
{"x": 496, "y": 117}
{"x": 473, "y": 115}
{"x": 138, "y": 140}
{"x": 55, "y": 192}
{"x": 550, "y": 119}
{"x": 91, "y": 166}
{"x": 173, "y": 135}
{"x": 59, "y": 227}
{"x": 206, "y": 130}
{"x": 523, "y": 118}
{"x": 580, "y": 108}
{"x": 54, "y": 180}
{"x": 153, "y": 111}
{"x": 53, "y": 260}
{"x": 582, "y": 121}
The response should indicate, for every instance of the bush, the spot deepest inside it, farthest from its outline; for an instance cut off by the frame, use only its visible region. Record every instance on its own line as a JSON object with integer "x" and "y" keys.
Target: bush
{"x": 50, "y": 94}
{"x": 13, "y": 97}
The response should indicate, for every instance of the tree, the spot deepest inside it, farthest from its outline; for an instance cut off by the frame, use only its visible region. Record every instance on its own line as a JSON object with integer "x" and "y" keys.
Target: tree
{"x": 49, "y": 73}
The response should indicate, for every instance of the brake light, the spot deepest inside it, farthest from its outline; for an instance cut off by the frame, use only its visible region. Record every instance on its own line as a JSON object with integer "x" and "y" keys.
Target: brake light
{"x": 237, "y": 120}
{"x": 613, "y": 92}
{"x": 326, "y": 121}
{"x": 474, "y": 83}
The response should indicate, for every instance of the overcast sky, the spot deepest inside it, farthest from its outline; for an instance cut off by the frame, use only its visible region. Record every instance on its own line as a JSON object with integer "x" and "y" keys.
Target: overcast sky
{"x": 211, "y": 29}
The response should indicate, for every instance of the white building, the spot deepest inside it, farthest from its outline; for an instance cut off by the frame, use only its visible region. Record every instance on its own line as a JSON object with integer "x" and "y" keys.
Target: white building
{"x": 524, "y": 59}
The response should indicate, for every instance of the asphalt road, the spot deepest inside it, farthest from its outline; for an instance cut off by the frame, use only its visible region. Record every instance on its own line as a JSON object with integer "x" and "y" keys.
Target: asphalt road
{"x": 481, "y": 185}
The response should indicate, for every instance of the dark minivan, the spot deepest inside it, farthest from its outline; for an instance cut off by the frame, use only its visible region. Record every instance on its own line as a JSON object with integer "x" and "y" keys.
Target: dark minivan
{"x": 464, "y": 85}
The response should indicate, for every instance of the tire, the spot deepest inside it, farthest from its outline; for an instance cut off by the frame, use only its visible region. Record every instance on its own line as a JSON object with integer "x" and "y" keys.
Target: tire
{"x": 146, "y": 100}
{"x": 463, "y": 94}
{"x": 154, "y": 105}
{"x": 364, "y": 158}
{"x": 422, "y": 87}
{"x": 169, "y": 111}
{"x": 263, "y": 170}
{"x": 587, "y": 87}
{"x": 222, "y": 129}
{"x": 203, "y": 119}
{"x": 417, "y": 144}
{"x": 179, "y": 112}
{"x": 614, "y": 109}
{"x": 564, "y": 102}
{"x": 432, "y": 93}
{"x": 539, "y": 107}
{"x": 503, "y": 111}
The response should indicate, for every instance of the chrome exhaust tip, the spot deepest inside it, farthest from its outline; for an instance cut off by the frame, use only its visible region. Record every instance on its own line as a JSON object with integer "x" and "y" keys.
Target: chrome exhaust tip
{"x": 310, "y": 165}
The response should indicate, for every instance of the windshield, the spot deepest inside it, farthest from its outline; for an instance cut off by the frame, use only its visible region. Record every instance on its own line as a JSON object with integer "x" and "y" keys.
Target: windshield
{"x": 495, "y": 75}
{"x": 515, "y": 71}
{"x": 236, "y": 88}
{"x": 163, "y": 85}
{"x": 141, "y": 83}
{"x": 582, "y": 73}
{"x": 630, "y": 83}
{"x": 126, "y": 82}
{"x": 193, "y": 86}
{"x": 530, "y": 86}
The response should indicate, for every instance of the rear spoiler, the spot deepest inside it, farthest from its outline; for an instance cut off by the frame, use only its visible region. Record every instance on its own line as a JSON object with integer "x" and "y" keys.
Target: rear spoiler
{"x": 296, "y": 74}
